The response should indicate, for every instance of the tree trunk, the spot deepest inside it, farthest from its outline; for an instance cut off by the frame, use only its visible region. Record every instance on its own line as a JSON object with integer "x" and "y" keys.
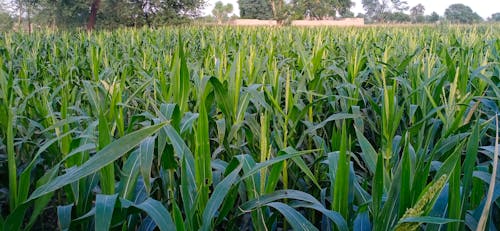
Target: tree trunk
{"x": 28, "y": 10}
{"x": 93, "y": 15}
{"x": 273, "y": 8}
{"x": 19, "y": 19}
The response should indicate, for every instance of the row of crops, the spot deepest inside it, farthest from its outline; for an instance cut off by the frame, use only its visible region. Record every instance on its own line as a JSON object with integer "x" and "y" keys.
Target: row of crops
{"x": 225, "y": 128}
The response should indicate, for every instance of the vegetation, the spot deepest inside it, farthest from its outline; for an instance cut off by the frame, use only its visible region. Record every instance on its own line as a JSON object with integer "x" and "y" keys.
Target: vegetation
{"x": 255, "y": 9}
{"x": 226, "y": 128}
{"x": 221, "y": 11}
{"x": 460, "y": 13}
{"x": 6, "y": 21}
{"x": 322, "y": 9}
{"x": 108, "y": 14}
{"x": 495, "y": 17}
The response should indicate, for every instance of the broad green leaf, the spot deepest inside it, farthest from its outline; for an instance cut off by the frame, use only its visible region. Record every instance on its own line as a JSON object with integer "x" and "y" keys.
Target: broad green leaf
{"x": 104, "y": 207}
{"x": 158, "y": 213}
{"x": 203, "y": 173}
{"x": 42, "y": 202}
{"x": 468, "y": 168}
{"x": 146, "y": 155}
{"x": 130, "y": 172}
{"x": 296, "y": 220}
{"x": 177, "y": 217}
{"x": 273, "y": 161}
{"x": 341, "y": 177}
{"x": 369, "y": 155}
{"x": 107, "y": 177}
{"x": 15, "y": 219}
{"x": 218, "y": 197}
{"x": 102, "y": 158}
{"x": 278, "y": 195}
{"x": 429, "y": 220}
{"x": 332, "y": 215}
{"x": 64, "y": 216}
{"x": 302, "y": 165}
{"x": 338, "y": 116}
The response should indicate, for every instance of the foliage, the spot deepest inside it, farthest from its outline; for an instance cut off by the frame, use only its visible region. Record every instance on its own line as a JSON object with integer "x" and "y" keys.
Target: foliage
{"x": 397, "y": 17}
{"x": 382, "y": 10}
{"x": 229, "y": 128}
{"x": 417, "y": 13}
{"x": 6, "y": 21}
{"x": 495, "y": 17}
{"x": 322, "y": 9}
{"x": 220, "y": 10}
{"x": 112, "y": 13}
{"x": 434, "y": 17}
{"x": 255, "y": 9}
{"x": 399, "y": 5}
{"x": 460, "y": 13}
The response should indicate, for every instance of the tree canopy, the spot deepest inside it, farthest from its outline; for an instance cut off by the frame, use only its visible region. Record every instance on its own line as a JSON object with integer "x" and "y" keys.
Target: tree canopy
{"x": 385, "y": 10}
{"x": 417, "y": 13}
{"x": 460, "y": 13}
{"x": 220, "y": 10}
{"x": 255, "y": 9}
{"x": 107, "y": 13}
{"x": 6, "y": 21}
{"x": 321, "y": 9}
{"x": 495, "y": 17}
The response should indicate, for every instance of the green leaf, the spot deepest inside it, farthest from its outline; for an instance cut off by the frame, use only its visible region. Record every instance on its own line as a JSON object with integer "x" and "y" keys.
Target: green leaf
{"x": 203, "y": 173}
{"x": 130, "y": 172}
{"x": 218, "y": 196}
{"x": 302, "y": 165}
{"x": 15, "y": 219}
{"x": 104, "y": 207}
{"x": 179, "y": 222}
{"x": 468, "y": 167}
{"x": 274, "y": 161}
{"x": 337, "y": 116}
{"x": 296, "y": 220}
{"x": 340, "y": 192}
{"x": 369, "y": 154}
{"x": 146, "y": 154}
{"x": 332, "y": 215}
{"x": 108, "y": 172}
{"x": 278, "y": 195}
{"x": 158, "y": 213}
{"x": 25, "y": 178}
{"x": 102, "y": 158}
{"x": 64, "y": 216}
{"x": 429, "y": 220}
{"x": 378, "y": 186}
{"x": 41, "y": 202}
{"x": 406, "y": 180}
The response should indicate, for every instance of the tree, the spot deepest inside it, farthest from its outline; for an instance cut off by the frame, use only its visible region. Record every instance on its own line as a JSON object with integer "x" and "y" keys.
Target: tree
{"x": 433, "y": 18}
{"x": 495, "y": 17}
{"x": 460, "y": 13}
{"x": 322, "y": 9}
{"x": 396, "y": 17}
{"x": 6, "y": 21}
{"x": 255, "y": 9}
{"x": 108, "y": 13}
{"x": 417, "y": 13}
{"x": 94, "y": 7}
{"x": 399, "y": 5}
{"x": 382, "y": 10}
{"x": 220, "y": 10}
{"x": 371, "y": 8}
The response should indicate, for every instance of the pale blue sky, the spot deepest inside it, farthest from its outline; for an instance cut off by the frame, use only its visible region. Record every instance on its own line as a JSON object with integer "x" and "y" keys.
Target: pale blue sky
{"x": 483, "y": 7}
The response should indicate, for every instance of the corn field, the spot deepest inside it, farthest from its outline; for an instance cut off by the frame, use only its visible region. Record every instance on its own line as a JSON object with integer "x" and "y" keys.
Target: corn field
{"x": 227, "y": 128}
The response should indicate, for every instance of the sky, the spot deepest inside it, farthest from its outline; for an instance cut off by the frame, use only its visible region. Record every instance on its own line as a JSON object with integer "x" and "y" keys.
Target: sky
{"x": 485, "y": 8}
